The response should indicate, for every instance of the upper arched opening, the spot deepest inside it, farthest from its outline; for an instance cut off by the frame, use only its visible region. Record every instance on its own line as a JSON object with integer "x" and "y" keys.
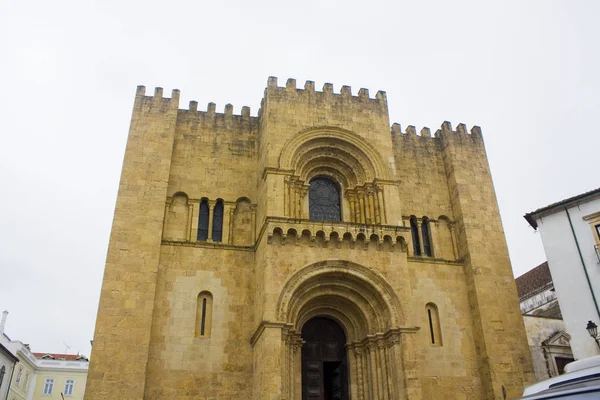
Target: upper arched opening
{"x": 351, "y": 155}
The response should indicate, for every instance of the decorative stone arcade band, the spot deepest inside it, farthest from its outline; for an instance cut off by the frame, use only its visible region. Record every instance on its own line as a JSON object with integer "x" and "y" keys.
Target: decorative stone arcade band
{"x": 212, "y": 221}
{"x": 366, "y": 202}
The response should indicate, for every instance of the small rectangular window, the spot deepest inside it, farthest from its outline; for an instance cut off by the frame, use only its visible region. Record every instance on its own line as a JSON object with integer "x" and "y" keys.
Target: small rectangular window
{"x": 69, "y": 384}
{"x": 49, "y": 386}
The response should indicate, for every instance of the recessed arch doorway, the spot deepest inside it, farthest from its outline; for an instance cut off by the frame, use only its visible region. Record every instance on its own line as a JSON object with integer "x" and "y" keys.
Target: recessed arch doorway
{"x": 324, "y": 360}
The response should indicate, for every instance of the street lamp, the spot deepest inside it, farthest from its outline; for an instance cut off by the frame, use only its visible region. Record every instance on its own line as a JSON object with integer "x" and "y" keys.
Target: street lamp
{"x": 592, "y": 328}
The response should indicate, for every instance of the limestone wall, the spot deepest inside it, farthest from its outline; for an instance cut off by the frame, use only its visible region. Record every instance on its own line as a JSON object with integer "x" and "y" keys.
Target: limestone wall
{"x": 273, "y": 268}
{"x": 182, "y": 365}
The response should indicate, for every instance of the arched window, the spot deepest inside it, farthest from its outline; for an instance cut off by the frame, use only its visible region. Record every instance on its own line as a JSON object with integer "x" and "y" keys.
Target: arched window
{"x": 414, "y": 230}
{"x": 204, "y": 314}
{"x": 324, "y": 200}
{"x": 433, "y": 319}
{"x": 203, "y": 221}
{"x": 217, "y": 228}
{"x": 426, "y": 237}
{"x": 2, "y": 372}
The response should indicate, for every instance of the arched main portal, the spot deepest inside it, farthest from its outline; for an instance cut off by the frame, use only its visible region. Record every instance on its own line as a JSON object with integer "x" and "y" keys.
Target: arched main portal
{"x": 324, "y": 360}
{"x": 364, "y": 307}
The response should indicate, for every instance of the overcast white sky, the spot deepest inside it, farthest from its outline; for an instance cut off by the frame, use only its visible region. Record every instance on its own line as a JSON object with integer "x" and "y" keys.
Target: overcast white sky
{"x": 527, "y": 72}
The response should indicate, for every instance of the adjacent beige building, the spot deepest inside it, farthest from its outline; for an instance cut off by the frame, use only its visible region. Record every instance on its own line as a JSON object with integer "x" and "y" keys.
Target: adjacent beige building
{"x": 42, "y": 376}
{"x": 310, "y": 252}
{"x": 548, "y": 340}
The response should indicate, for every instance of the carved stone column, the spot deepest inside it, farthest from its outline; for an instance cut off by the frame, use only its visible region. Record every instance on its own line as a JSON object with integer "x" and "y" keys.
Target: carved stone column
{"x": 231, "y": 215}
{"x": 303, "y": 193}
{"x": 188, "y": 230}
{"x": 370, "y": 205}
{"x": 374, "y": 381}
{"x": 211, "y": 207}
{"x": 361, "y": 201}
{"x": 296, "y": 200}
{"x": 195, "y": 213}
{"x": 420, "y": 233}
{"x": 351, "y": 196}
{"x": 358, "y": 353}
{"x": 380, "y": 204}
{"x": 382, "y": 363}
{"x": 296, "y": 369}
{"x": 286, "y": 196}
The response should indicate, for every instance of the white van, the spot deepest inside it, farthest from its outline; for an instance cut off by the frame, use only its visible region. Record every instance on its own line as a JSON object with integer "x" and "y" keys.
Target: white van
{"x": 576, "y": 371}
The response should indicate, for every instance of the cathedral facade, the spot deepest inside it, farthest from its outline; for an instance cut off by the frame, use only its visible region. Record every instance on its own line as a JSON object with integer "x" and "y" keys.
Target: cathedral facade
{"x": 311, "y": 252}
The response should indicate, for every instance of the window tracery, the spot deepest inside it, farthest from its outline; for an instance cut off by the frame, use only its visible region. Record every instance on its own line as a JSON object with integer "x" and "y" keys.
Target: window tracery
{"x": 324, "y": 200}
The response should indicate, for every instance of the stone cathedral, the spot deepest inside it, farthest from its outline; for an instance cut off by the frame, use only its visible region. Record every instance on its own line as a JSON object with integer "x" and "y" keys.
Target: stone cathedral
{"x": 310, "y": 252}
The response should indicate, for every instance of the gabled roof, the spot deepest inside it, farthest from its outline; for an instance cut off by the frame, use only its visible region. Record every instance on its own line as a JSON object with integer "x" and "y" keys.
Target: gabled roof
{"x": 551, "y": 209}
{"x": 534, "y": 281}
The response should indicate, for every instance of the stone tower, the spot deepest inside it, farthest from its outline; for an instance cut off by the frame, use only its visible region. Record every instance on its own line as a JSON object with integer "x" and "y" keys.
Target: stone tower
{"x": 310, "y": 252}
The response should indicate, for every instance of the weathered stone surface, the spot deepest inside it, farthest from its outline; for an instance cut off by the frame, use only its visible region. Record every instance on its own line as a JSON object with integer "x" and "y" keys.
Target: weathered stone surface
{"x": 274, "y": 269}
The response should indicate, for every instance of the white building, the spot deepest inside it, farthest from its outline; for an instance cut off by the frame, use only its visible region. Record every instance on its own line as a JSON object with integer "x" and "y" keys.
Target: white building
{"x": 570, "y": 231}
{"x": 42, "y": 376}
{"x": 7, "y": 363}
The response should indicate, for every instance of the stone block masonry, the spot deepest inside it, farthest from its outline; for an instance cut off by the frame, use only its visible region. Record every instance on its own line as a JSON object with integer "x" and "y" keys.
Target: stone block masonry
{"x": 224, "y": 247}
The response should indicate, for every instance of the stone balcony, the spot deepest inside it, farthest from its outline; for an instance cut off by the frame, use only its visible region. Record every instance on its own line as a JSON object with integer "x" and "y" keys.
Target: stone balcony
{"x": 279, "y": 230}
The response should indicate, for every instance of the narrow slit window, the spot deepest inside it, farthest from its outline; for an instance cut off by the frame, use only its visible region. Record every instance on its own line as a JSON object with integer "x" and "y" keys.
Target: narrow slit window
{"x": 431, "y": 326}
{"x": 204, "y": 315}
{"x": 433, "y": 318}
{"x": 203, "y": 323}
{"x": 217, "y": 228}
{"x": 426, "y": 237}
{"x": 415, "y": 236}
{"x": 203, "y": 221}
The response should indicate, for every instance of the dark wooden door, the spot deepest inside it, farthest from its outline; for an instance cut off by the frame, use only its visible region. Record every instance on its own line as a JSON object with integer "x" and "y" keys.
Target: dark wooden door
{"x": 324, "y": 367}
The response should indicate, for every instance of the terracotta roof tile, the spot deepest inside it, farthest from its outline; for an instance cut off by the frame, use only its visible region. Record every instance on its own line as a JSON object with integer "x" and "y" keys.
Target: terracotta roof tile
{"x": 59, "y": 356}
{"x": 534, "y": 280}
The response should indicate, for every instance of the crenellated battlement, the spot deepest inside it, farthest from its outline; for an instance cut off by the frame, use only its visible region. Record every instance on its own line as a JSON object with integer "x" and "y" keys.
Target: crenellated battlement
{"x": 157, "y": 101}
{"x": 327, "y": 90}
{"x": 445, "y": 129}
{"x": 211, "y": 111}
